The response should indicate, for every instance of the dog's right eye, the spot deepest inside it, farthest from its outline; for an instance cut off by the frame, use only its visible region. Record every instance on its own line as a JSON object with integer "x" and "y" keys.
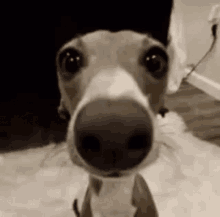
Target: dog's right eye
{"x": 70, "y": 61}
{"x": 156, "y": 62}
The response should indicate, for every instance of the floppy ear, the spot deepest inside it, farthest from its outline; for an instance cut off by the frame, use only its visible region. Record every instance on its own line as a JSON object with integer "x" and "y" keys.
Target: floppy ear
{"x": 176, "y": 50}
{"x": 62, "y": 111}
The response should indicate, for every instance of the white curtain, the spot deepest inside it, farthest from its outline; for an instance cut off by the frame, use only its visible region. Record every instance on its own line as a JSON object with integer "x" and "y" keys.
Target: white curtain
{"x": 176, "y": 50}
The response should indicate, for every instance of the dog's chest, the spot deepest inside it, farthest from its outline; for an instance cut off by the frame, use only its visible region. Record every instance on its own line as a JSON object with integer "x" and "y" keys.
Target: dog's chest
{"x": 115, "y": 199}
{"x": 131, "y": 198}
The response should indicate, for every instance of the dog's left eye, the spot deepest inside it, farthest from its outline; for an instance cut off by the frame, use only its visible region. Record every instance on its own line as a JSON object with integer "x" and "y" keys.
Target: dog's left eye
{"x": 70, "y": 61}
{"x": 156, "y": 62}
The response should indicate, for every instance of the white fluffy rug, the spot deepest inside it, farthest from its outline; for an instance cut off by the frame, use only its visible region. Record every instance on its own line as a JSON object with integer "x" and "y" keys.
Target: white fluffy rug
{"x": 185, "y": 180}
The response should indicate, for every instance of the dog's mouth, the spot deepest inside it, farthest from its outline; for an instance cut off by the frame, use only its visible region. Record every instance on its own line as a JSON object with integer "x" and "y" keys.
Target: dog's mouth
{"x": 114, "y": 175}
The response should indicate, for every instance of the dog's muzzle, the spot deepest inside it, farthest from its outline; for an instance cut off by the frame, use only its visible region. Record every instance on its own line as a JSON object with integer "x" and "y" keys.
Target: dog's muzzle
{"x": 113, "y": 135}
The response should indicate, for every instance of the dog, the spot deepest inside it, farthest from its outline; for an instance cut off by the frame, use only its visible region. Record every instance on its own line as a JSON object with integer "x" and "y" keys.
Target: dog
{"x": 112, "y": 86}
{"x": 112, "y": 129}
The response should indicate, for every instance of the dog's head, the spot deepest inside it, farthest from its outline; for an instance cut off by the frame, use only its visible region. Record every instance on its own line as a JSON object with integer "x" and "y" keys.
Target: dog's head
{"x": 112, "y": 84}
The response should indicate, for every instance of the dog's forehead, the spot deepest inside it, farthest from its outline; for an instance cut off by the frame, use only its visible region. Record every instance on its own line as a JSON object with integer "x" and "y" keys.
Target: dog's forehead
{"x": 103, "y": 38}
{"x": 108, "y": 36}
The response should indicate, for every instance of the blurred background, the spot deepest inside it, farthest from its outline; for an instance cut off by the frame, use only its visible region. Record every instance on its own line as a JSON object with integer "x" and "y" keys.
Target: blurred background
{"x": 29, "y": 94}
{"x": 198, "y": 38}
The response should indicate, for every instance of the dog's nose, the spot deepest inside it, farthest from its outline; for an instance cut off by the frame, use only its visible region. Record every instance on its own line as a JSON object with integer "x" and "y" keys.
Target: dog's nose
{"x": 112, "y": 134}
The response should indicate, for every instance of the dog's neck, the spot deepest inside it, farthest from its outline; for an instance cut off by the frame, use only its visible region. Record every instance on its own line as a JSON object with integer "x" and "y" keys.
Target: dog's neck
{"x": 112, "y": 198}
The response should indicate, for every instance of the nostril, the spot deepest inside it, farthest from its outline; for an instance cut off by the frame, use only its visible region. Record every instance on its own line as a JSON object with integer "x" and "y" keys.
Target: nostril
{"x": 90, "y": 143}
{"x": 136, "y": 142}
{"x": 139, "y": 140}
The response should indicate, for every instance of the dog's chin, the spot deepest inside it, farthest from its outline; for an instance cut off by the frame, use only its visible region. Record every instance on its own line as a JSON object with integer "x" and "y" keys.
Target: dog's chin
{"x": 112, "y": 176}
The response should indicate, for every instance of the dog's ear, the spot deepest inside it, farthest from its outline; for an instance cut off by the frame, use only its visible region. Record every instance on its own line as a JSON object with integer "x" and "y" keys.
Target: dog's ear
{"x": 176, "y": 50}
{"x": 62, "y": 111}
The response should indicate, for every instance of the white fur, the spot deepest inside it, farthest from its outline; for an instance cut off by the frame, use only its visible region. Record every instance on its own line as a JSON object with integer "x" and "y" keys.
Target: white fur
{"x": 114, "y": 199}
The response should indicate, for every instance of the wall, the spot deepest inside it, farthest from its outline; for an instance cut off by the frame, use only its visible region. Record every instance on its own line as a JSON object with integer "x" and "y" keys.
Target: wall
{"x": 198, "y": 36}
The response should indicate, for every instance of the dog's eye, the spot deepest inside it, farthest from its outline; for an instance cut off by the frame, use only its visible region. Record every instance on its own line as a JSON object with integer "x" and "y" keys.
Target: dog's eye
{"x": 70, "y": 61}
{"x": 156, "y": 62}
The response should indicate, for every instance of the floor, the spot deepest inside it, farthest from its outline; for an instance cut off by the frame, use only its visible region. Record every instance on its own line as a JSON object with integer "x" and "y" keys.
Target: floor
{"x": 200, "y": 112}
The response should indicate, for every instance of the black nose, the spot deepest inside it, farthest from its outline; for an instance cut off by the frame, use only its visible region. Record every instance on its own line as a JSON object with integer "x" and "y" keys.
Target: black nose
{"x": 113, "y": 135}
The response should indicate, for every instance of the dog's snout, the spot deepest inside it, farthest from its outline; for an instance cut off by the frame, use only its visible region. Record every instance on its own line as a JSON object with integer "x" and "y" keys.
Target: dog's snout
{"x": 112, "y": 134}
